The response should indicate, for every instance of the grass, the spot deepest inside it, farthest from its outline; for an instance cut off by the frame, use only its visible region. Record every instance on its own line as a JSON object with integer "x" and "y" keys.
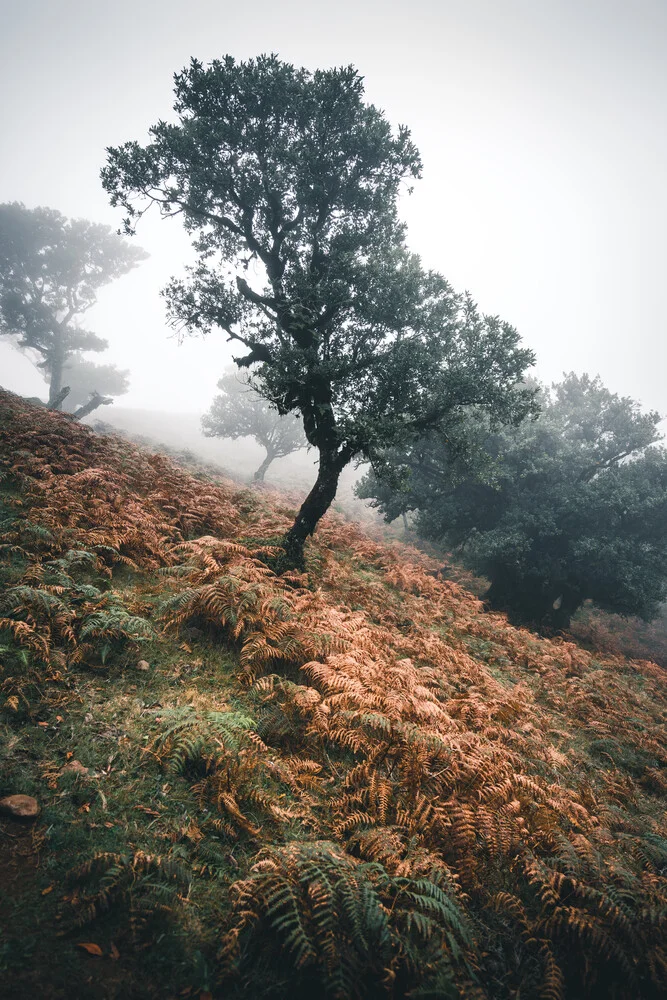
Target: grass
{"x": 126, "y": 803}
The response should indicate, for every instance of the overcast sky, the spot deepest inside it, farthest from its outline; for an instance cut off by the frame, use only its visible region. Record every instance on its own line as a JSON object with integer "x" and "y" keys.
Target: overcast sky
{"x": 541, "y": 124}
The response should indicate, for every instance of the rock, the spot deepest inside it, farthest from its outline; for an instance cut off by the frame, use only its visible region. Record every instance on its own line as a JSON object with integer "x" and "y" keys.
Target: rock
{"x": 74, "y": 767}
{"x": 143, "y": 665}
{"x": 20, "y": 806}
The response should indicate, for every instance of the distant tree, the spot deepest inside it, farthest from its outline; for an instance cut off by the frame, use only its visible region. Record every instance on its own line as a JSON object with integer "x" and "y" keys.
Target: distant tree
{"x": 570, "y": 506}
{"x": 239, "y": 411}
{"x": 294, "y": 174}
{"x": 50, "y": 271}
{"x": 85, "y": 378}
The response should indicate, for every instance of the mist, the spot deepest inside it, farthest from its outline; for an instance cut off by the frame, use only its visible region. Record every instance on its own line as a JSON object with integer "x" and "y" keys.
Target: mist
{"x": 541, "y": 131}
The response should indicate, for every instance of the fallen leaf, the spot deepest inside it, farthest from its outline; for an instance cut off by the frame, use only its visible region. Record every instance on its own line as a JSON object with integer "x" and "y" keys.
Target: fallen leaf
{"x": 92, "y": 949}
{"x": 206, "y": 996}
{"x": 108, "y": 825}
{"x": 113, "y": 951}
{"x": 59, "y": 718}
{"x": 13, "y": 702}
{"x": 42, "y": 723}
{"x": 46, "y": 891}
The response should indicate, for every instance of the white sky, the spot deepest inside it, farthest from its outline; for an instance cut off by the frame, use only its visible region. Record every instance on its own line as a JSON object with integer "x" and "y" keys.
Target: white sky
{"x": 541, "y": 125}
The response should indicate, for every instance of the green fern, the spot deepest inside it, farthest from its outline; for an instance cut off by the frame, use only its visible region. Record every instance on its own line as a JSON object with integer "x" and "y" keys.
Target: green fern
{"x": 140, "y": 883}
{"x": 188, "y": 739}
{"x": 341, "y": 929}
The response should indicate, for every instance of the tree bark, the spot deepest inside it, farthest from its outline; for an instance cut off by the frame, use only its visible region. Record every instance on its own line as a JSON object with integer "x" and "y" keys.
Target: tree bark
{"x": 55, "y": 402}
{"x": 261, "y": 472}
{"x": 56, "y": 382}
{"x": 95, "y": 400}
{"x": 314, "y": 506}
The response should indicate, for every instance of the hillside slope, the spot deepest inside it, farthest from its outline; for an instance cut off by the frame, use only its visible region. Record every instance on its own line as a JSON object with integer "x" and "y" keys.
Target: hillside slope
{"x": 347, "y": 783}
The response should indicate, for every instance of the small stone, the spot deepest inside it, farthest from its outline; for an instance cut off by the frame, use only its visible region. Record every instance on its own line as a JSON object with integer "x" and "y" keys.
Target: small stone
{"x": 143, "y": 665}
{"x": 74, "y": 767}
{"x": 88, "y": 717}
{"x": 20, "y": 806}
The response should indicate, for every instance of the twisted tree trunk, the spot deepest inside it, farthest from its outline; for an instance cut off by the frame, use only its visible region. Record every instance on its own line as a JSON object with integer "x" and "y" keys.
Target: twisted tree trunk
{"x": 261, "y": 471}
{"x": 316, "y": 504}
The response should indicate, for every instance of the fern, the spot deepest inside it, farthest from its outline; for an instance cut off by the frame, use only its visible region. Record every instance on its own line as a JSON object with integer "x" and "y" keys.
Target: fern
{"x": 138, "y": 883}
{"x": 346, "y": 929}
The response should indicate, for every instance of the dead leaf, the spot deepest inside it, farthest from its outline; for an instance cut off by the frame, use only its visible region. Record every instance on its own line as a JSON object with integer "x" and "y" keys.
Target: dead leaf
{"x": 92, "y": 949}
{"x": 42, "y": 724}
{"x": 206, "y": 996}
{"x": 59, "y": 718}
{"x": 46, "y": 891}
{"x": 113, "y": 951}
{"x": 13, "y": 702}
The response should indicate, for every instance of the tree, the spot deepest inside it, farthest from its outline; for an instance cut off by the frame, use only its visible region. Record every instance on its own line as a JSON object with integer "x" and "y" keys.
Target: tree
{"x": 50, "y": 271}
{"x": 239, "y": 411}
{"x": 288, "y": 183}
{"x": 86, "y": 378}
{"x": 568, "y": 507}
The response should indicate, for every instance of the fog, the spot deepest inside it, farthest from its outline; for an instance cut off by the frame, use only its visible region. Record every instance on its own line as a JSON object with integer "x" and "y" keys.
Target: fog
{"x": 541, "y": 128}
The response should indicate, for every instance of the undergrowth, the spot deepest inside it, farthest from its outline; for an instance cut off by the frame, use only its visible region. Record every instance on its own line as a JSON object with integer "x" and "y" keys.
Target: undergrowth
{"x": 344, "y": 782}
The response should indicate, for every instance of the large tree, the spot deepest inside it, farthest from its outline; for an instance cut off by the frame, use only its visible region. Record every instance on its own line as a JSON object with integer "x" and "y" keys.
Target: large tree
{"x": 239, "y": 411}
{"x": 50, "y": 271}
{"x": 288, "y": 183}
{"x": 570, "y": 506}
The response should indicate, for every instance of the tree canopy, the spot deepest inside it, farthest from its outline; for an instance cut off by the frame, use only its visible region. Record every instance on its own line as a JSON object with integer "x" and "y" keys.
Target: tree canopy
{"x": 568, "y": 507}
{"x": 50, "y": 271}
{"x": 288, "y": 183}
{"x": 239, "y": 411}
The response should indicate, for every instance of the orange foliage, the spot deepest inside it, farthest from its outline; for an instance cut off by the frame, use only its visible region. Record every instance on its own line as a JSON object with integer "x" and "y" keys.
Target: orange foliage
{"x": 436, "y": 734}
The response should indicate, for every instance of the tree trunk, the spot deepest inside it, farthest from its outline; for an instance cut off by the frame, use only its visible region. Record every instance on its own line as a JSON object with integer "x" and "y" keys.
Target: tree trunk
{"x": 56, "y": 401}
{"x": 56, "y": 382}
{"x": 261, "y": 472}
{"x": 314, "y": 506}
{"x": 95, "y": 400}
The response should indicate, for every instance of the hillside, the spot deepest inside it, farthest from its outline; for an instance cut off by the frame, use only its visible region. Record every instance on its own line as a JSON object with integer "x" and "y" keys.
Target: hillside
{"x": 350, "y": 782}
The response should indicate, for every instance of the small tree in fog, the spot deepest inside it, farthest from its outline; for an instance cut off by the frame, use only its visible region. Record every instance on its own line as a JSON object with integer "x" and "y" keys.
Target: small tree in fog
{"x": 50, "y": 271}
{"x": 84, "y": 378}
{"x": 570, "y": 506}
{"x": 239, "y": 411}
{"x": 288, "y": 182}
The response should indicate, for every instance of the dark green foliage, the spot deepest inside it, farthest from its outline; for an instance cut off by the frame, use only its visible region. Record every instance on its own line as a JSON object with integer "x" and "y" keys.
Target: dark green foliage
{"x": 143, "y": 884}
{"x": 325, "y": 925}
{"x": 50, "y": 271}
{"x": 293, "y": 171}
{"x": 565, "y": 508}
